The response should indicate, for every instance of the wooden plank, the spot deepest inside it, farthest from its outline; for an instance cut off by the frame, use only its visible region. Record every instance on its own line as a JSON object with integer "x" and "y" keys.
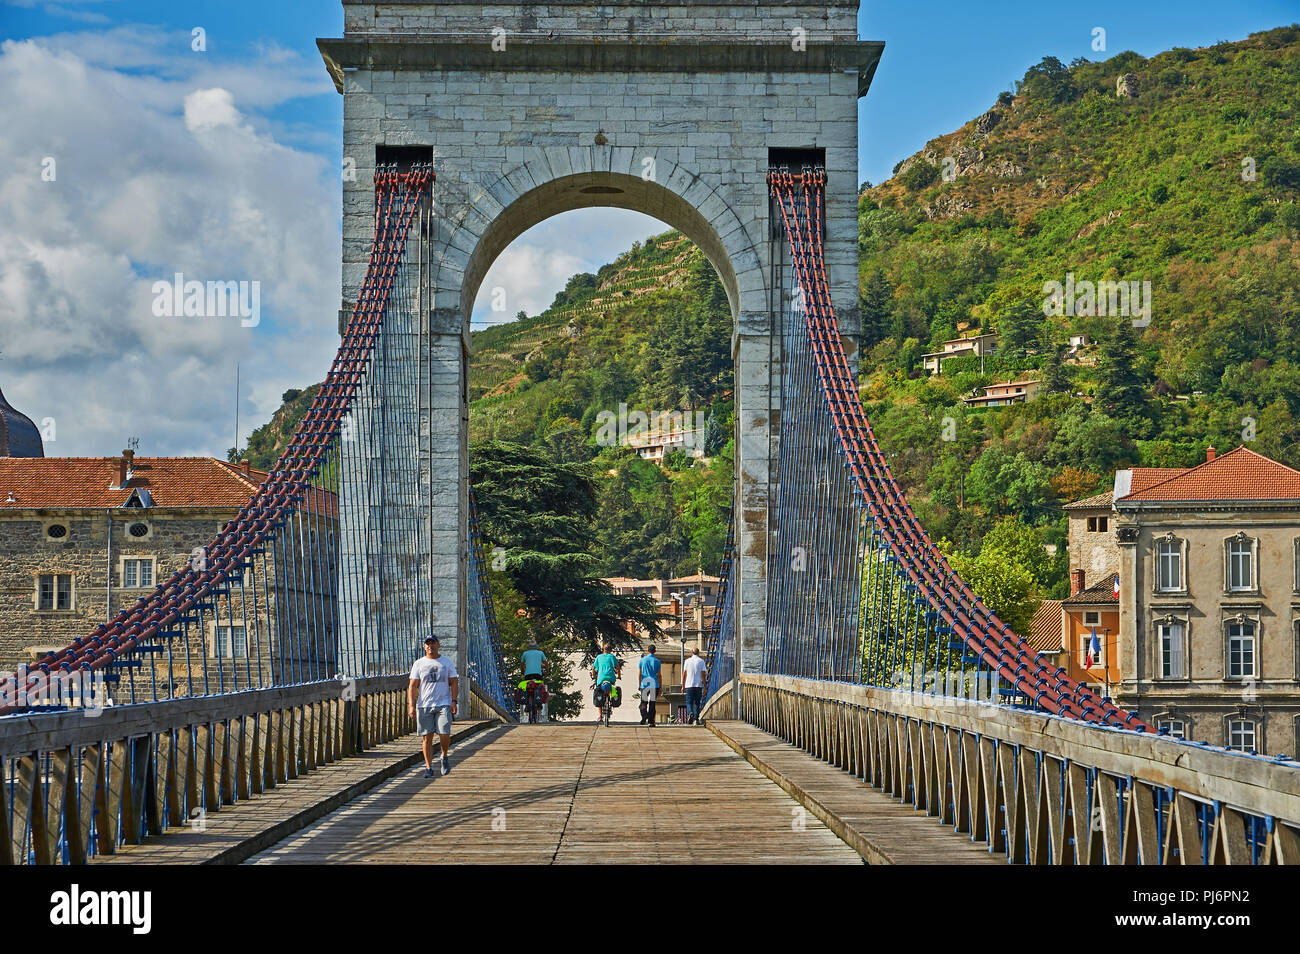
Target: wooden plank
{"x": 29, "y": 821}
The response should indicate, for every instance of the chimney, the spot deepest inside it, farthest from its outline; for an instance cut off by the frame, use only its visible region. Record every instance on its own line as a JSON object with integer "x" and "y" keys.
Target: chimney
{"x": 1209, "y": 454}
{"x": 124, "y": 468}
{"x": 1076, "y": 582}
{"x": 245, "y": 468}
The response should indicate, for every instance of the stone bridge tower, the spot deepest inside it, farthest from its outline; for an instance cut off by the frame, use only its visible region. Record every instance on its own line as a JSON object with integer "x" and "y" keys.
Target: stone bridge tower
{"x": 532, "y": 109}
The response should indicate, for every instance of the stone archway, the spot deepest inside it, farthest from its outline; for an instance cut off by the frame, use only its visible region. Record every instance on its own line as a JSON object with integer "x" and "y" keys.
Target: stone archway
{"x": 499, "y": 213}
{"x": 551, "y": 106}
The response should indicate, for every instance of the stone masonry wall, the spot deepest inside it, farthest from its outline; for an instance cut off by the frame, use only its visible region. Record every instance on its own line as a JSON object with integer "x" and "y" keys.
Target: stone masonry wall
{"x": 513, "y": 146}
{"x": 639, "y": 20}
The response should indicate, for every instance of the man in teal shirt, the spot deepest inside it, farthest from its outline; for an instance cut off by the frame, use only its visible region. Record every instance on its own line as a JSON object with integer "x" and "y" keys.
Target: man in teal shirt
{"x": 651, "y": 685}
{"x": 606, "y": 668}
{"x": 533, "y": 660}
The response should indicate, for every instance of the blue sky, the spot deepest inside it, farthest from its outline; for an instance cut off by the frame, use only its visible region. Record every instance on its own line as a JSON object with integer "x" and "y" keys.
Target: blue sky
{"x": 223, "y": 164}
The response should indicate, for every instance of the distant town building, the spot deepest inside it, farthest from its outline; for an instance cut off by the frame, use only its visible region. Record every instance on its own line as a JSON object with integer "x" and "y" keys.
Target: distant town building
{"x": 1209, "y": 605}
{"x": 959, "y": 348}
{"x": 1009, "y": 392}
{"x": 81, "y": 538}
{"x": 19, "y": 437}
{"x": 668, "y": 640}
{"x": 662, "y": 587}
{"x": 655, "y": 447}
{"x": 1090, "y": 632}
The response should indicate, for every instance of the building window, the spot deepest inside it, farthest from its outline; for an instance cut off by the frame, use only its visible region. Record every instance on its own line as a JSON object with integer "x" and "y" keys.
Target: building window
{"x": 1098, "y": 524}
{"x": 1171, "y": 636}
{"x": 1241, "y": 735}
{"x": 1241, "y": 650}
{"x": 138, "y": 529}
{"x": 57, "y": 531}
{"x": 1169, "y": 566}
{"x": 1241, "y": 563}
{"x": 1174, "y": 728}
{"x": 54, "y": 591}
{"x": 1091, "y": 618}
{"x": 229, "y": 641}
{"x": 137, "y": 573}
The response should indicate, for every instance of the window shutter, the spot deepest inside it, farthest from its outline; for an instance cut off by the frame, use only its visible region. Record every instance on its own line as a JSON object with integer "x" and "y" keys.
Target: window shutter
{"x": 1176, "y": 650}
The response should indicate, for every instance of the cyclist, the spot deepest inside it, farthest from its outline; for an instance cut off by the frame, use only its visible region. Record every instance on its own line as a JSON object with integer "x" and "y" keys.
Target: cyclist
{"x": 534, "y": 664}
{"x": 606, "y": 670}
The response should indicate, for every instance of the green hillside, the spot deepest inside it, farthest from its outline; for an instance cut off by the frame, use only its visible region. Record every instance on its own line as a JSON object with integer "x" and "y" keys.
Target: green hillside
{"x": 1186, "y": 175}
{"x": 1181, "y": 171}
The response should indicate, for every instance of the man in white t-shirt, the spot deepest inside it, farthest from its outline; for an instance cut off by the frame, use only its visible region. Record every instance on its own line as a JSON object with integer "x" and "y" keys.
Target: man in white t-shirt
{"x": 693, "y": 680}
{"x": 432, "y": 699}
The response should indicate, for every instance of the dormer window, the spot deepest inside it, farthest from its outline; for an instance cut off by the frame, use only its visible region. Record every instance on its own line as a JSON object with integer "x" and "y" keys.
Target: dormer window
{"x": 140, "y": 499}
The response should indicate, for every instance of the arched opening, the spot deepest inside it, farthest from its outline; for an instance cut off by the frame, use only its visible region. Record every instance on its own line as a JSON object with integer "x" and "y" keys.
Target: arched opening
{"x": 705, "y": 226}
{"x": 622, "y": 370}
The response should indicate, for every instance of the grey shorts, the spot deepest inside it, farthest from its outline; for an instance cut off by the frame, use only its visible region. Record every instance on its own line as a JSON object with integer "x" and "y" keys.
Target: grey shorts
{"x": 436, "y": 721}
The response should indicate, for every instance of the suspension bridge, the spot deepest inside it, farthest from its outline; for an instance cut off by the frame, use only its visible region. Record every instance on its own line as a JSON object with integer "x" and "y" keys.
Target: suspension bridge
{"x": 862, "y": 702}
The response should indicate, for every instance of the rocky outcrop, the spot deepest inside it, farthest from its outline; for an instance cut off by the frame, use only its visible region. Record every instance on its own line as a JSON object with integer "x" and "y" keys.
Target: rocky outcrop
{"x": 1126, "y": 87}
{"x": 984, "y": 125}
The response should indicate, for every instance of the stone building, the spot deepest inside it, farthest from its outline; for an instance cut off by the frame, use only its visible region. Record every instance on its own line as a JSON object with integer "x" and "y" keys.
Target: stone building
{"x": 81, "y": 538}
{"x": 1209, "y": 601}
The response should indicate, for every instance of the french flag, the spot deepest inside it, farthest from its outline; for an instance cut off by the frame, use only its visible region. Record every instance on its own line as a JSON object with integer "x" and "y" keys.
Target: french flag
{"x": 1116, "y": 590}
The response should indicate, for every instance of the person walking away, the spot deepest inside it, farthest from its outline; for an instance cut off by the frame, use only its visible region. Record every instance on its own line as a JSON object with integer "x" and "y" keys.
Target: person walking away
{"x": 432, "y": 701}
{"x": 693, "y": 680}
{"x": 651, "y": 685}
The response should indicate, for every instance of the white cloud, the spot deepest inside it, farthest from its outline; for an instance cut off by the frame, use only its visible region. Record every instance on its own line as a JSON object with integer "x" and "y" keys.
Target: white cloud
{"x": 539, "y": 263}
{"x": 156, "y": 173}
{"x": 208, "y": 108}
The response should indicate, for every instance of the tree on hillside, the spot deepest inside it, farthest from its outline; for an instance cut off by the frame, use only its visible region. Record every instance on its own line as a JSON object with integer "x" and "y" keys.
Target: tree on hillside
{"x": 1049, "y": 80}
{"x": 541, "y": 514}
{"x": 639, "y": 530}
{"x": 1005, "y": 587}
{"x": 1119, "y": 386}
{"x": 1003, "y": 483}
{"x": 688, "y": 358}
{"x": 877, "y": 308}
{"x": 1053, "y": 377}
{"x": 1022, "y": 545}
{"x": 1019, "y": 327}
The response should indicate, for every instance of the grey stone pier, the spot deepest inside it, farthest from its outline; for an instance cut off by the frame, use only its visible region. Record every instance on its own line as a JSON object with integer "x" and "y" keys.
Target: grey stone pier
{"x": 533, "y": 109}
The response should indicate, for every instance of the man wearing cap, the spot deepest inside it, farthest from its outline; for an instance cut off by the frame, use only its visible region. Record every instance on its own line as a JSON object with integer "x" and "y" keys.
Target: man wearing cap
{"x": 432, "y": 698}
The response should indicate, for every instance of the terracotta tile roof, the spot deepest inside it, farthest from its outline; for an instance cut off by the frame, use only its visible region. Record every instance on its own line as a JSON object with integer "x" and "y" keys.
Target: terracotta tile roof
{"x": 1103, "y": 591}
{"x": 1240, "y": 474}
{"x": 1045, "y": 627}
{"x": 1144, "y": 477}
{"x": 86, "y": 482}
{"x": 1091, "y": 503}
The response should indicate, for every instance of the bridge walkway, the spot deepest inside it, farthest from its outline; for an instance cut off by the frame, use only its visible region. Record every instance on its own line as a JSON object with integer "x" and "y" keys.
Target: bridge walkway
{"x": 570, "y": 794}
{"x": 574, "y": 794}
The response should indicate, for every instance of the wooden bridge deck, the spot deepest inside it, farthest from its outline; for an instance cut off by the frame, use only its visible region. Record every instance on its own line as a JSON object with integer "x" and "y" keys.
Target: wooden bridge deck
{"x": 571, "y": 794}
{"x": 574, "y": 794}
